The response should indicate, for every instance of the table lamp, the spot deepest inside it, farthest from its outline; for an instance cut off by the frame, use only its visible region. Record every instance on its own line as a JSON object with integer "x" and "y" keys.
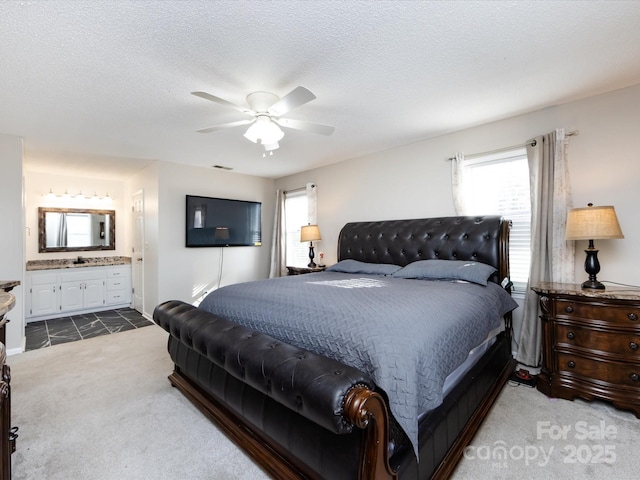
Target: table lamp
{"x": 310, "y": 233}
{"x": 221, "y": 233}
{"x": 592, "y": 223}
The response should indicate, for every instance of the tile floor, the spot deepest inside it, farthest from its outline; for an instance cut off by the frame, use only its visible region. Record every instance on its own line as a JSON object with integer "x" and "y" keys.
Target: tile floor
{"x": 78, "y": 327}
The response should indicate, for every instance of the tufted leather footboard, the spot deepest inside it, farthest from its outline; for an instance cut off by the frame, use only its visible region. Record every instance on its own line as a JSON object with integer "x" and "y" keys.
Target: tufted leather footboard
{"x": 258, "y": 381}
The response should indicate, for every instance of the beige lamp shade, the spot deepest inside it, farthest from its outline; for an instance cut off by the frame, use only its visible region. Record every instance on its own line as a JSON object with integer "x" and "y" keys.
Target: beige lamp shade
{"x": 310, "y": 233}
{"x": 592, "y": 223}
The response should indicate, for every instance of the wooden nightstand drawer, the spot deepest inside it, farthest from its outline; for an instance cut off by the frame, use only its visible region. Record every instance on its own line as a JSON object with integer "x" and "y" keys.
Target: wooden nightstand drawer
{"x": 610, "y": 372}
{"x": 626, "y": 345}
{"x": 622, "y": 315}
{"x": 590, "y": 343}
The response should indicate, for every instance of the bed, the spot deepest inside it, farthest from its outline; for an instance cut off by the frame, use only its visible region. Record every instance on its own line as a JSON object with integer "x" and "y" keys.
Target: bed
{"x": 312, "y": 388}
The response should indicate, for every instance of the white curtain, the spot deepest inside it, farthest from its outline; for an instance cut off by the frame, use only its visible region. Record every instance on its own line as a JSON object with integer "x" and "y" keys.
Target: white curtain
{"x": 552, "y": 257}
{"x": 278, "y": 258}
{"x": 312, "y": 202}
{"x": 457, "y": 173}
{"x": 278, "y": 252}
{"x": 62, "y": 231}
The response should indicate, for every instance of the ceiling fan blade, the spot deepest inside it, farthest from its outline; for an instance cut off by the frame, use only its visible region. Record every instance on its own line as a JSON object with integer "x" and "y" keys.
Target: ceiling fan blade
{"x": 306, "y": 126}
{"x": 225, "y": 125}
{"x": 222, "y": 101}
{"x": 298, "y": 96}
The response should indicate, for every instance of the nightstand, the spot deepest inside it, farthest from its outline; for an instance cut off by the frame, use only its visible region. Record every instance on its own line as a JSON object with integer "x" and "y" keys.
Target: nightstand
{"x": 302, "y": 270}
{"x": 7, "y": 433}
{"x": 590, "y": 344}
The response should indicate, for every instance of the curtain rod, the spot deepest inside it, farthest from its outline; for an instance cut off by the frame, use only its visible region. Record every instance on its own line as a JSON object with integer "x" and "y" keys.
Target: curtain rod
{"x": 295, "y": 190}
{"x": 313, "y": 185}
{"x": 531, "y": 142}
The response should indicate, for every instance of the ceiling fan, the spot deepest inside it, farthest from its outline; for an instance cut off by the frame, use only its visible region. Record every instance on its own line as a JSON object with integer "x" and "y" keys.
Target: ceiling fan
{"x": 267, "y": 110}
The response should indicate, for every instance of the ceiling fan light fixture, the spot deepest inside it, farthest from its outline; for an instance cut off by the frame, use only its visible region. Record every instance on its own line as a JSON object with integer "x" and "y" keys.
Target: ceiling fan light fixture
{"x": 264, "y": 130}
{"x": 252, "y": 133}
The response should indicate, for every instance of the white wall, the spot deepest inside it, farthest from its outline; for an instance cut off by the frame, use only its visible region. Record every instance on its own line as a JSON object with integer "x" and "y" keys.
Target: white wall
{"x": 37, "y": 185}
{"x": 415, "y": 180}
{"x": 11, "y": 240}
{"x": 173, "y": 271}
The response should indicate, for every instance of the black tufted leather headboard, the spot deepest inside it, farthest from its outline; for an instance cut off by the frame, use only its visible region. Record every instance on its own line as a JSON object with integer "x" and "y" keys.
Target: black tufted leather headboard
{"x": 400, "y": 242}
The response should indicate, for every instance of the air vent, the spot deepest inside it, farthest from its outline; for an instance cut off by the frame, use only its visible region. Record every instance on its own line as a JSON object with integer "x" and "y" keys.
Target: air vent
{"x": 222, "y": 167}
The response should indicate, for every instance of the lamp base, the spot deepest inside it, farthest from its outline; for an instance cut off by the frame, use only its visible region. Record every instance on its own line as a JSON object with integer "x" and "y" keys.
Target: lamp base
{"x": 592, "y": 267}
{"x": 593, "y": 284}
{"x": 311, "y": 264}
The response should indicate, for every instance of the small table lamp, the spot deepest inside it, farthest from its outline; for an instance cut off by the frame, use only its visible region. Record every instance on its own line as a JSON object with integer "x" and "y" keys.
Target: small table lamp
{"x": 221, "y": 233}
{"x": 592, "y": 223}
{"x": 310, "y": 233}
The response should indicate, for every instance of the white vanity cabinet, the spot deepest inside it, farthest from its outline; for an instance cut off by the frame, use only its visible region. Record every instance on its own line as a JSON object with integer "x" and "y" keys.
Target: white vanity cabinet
{"x": 80, "y": 290}
{"x": 44, "y": 290}
{"x": 54, "y": 293}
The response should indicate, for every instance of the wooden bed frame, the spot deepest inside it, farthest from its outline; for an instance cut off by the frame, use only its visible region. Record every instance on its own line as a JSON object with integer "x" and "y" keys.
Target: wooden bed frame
{"x": 291, "y": 442}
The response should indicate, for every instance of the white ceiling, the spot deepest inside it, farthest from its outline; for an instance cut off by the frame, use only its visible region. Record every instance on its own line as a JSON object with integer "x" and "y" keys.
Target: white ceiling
{"x": 106, "y": 84}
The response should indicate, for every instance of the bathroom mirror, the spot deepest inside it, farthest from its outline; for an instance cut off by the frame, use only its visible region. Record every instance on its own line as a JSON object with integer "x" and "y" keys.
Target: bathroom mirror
{"x": 76, "y": 229}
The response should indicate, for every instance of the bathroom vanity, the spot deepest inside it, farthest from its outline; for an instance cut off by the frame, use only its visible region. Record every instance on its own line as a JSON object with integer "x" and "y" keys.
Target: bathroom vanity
{"x": 70, "y": 287}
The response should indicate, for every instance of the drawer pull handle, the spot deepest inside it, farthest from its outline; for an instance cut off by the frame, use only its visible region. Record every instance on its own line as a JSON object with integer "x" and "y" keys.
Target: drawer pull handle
{"x": 635, "y": 377}
{"x": 568, "y": 309}
{"x": 572, "y": 364}
{"x": 633, "y": 346}
{"x": 571, "y": 335}
{"x": 633, "y": 317}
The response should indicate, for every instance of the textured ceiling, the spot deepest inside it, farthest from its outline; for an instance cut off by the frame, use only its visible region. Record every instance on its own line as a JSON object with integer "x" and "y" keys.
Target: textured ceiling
{"x": 106, "y": 84}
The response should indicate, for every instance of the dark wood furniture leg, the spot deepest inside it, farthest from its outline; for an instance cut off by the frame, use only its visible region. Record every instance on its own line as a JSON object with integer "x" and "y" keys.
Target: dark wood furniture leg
{"x": 7, "y": 435}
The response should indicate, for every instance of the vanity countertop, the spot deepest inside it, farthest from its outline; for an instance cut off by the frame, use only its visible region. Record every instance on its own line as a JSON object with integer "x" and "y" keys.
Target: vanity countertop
{"x": 7, "y": 285}
{"x": 7, "y": 301}
{"x": 72, "y": 263}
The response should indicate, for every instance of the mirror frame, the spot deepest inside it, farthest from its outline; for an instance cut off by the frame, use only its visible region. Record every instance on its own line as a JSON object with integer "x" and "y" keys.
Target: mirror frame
{"x": 42, "y": 233}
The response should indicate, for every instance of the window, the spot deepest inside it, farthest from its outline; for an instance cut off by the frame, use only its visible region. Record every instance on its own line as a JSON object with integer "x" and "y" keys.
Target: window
{"x": 498, "y": 184}
{"x": 296, "y": 214}
{"x": 79, "y": 231}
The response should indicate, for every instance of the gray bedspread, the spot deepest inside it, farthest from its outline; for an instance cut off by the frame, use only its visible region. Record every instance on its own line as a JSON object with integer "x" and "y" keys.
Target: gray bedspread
{"x": 407, "y": 334}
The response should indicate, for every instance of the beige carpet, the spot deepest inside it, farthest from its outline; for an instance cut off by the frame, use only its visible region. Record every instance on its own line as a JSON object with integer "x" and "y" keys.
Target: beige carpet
{"x": 530, "y": 436}
{"x": 103, "y": 409}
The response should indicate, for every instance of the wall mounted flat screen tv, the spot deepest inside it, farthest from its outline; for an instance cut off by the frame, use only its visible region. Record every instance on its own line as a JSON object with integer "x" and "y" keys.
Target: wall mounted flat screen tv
{"x": 221, "y": 222}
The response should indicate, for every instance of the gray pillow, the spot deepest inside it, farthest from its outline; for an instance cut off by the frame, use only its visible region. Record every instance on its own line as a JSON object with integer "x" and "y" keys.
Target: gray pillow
{"x": 475, "y": 272}
{"x": 354, "y": 266}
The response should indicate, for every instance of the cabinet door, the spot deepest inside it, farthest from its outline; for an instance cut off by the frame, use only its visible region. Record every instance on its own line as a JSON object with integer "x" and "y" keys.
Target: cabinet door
{"x": 44, "y": 299}
{"x": 93, "y": 293}
{"x": 71, "y": 296}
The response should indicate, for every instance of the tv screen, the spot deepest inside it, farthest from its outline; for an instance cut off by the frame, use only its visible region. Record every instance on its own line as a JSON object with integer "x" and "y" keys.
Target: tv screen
{"x": 221, "y": 222}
